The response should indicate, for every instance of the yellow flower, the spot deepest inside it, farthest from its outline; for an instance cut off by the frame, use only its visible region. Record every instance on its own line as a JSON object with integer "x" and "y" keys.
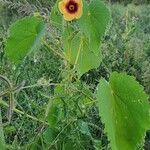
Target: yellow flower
{"x": 71, "y": 9}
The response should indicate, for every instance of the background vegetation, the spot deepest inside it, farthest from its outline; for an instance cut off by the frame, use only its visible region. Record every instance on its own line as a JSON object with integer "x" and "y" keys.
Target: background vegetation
{"x": 126, "y": 47}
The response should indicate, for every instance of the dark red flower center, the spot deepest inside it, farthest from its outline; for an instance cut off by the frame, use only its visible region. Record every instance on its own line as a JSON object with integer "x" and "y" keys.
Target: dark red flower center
{"x": 72, "y": 7}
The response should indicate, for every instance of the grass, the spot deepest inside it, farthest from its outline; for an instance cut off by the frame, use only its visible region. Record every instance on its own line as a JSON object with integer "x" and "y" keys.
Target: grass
{"x": 126, "y": 48}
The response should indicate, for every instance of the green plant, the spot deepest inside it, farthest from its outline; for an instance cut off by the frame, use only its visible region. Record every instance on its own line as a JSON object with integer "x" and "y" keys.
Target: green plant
{"x": 65, "y": 122}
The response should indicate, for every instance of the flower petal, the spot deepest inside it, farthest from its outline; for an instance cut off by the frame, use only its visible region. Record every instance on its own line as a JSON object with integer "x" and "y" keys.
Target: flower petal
{"x": 79, "y": 13}
{"x": 61, "y": 7}
{"x": 80, "y": 3}
{"x": 69, "y": 17}
{"x": 80, "y": 9}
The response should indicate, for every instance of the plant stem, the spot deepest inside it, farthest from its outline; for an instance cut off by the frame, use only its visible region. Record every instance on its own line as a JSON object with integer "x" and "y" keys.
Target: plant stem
{"x": 3, "y": 103}
{"x": 6, "y": 80}
{"x": 4, "y": 93}
{"x": 94, "y": 126}
{"x": 38, "y": 85}
{"x": 54, "y": 51}
{"x": 63, "y": 129}
{"x": 78, "y": 54}
{"x": 11, "y": 96}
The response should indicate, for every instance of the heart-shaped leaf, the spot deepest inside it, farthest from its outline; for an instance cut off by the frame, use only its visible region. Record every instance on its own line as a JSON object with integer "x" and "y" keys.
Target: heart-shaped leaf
{"x": 78, "y": 52}
{"x": 24, "y": 36}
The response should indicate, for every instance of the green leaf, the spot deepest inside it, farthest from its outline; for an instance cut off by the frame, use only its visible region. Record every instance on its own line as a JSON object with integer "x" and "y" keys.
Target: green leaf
{"x": 2, "y": 140}
{"x": 93, "y": 23}
{"x": 77, "y": 142}
{"x": 125, "y": 111}
{"x": 55, "y": 112}
{"x": 55, "y": 108}
{"x": 24, "y": 36}
{"x": 82, "y": 48}
{"x": 78, "y": 52}
{"x": 98, "y": 145}
{"x": 55, "y": 16}
{"x": 84, "y": 129}
{"x": 49, "y": 136}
